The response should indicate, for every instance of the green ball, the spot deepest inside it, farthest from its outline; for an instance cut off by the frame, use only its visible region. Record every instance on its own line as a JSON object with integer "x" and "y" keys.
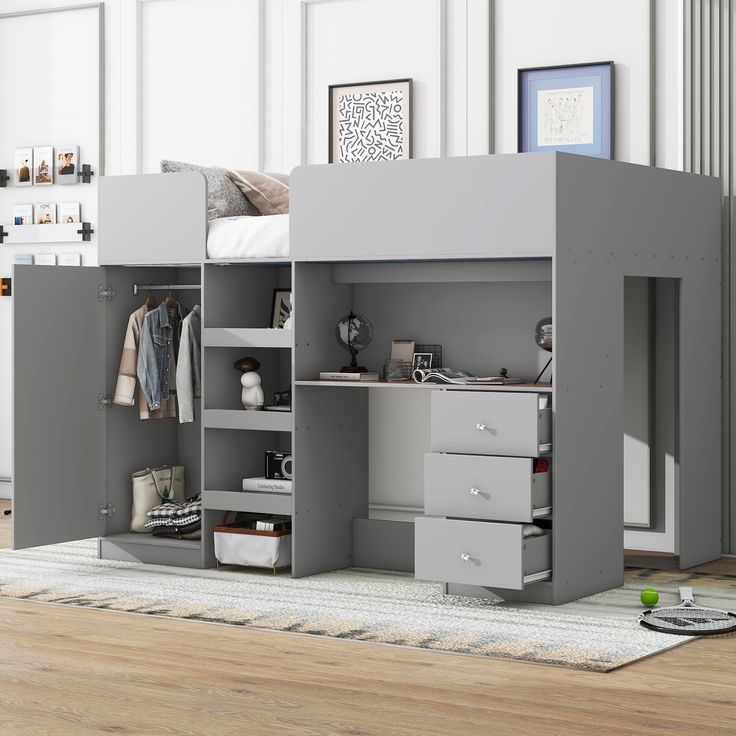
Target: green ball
{"x": 649, "y": 597}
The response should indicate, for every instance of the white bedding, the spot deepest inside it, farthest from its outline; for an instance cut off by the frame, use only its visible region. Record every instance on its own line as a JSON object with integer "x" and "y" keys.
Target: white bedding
{"x": 266, "y": 236}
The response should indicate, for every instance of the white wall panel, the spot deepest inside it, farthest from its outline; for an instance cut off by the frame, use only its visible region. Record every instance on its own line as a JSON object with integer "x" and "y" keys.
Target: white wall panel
{"x": 49, "y": 82}
{"x": 365, "y": 40}
{"x": 200, "y": 82}
{"x": 532, "y": 33}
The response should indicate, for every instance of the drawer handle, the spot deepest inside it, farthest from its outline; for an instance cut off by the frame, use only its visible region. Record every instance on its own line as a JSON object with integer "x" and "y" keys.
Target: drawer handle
{"x": 480, "y": 427}
{"x": 475, "y": 491}
{"x": 465, "y": 557}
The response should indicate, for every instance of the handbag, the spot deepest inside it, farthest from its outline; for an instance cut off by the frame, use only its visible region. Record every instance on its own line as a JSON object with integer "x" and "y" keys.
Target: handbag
{"x": 152, "y": 487}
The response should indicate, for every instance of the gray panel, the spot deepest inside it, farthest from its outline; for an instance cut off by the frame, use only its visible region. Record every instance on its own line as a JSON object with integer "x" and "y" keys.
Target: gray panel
{"x": 58, "y": 431}
{"x": 383, "y": 545}
{"x": 497, "y": 555}
{"x": 132, "y": 444}
{"x": 152, "y": 219}
{"x": 478, "y": 487}
{"x": 671, "y": 229}
{"x": 488, "y": 423}
{"x": 152, "y": 550}
{"x": 424, "y": 208}
{"x": 271, "y": 421}
{"x": 331, "y": 475}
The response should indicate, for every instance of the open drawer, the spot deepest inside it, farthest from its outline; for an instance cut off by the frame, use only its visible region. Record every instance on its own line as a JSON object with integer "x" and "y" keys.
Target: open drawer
{"x": 488, "y": 423}
{"x": 485, "y": 487}
{"x": 480, "y": 553}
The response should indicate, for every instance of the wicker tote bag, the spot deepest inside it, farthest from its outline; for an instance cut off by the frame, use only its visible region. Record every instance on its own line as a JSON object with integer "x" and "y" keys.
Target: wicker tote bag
{"x": 153, "y": 486}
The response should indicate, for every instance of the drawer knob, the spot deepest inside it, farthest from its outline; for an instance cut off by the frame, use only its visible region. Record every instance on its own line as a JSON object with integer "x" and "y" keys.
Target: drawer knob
{"x": 474, "y": 491}
{"x": 465, "y": 557}
{"x": 480, "y": 427}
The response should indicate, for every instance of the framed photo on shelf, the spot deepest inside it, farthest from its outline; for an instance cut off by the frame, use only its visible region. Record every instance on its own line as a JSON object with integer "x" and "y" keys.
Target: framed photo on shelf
{"x": 43, "y": 165}
{"x": 67, "y": 164}
{"x": 370, "y": 121}
{"x": 22, "y": 214}
{"x": 280, "y": 308}
{"x": 421, "y": 360}
{"x": 68, "y": 212}
{"x": 23, "y": 167}
{"x": 45, "y": 213}
{"x": 567, "y": 108}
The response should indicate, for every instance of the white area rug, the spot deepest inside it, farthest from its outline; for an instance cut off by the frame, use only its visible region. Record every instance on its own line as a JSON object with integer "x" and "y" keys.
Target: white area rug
{"x": 596, "y": 633}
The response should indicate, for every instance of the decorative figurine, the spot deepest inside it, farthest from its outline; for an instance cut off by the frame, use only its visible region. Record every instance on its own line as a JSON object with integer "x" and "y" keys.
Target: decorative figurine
{"x": 252, "y": 393}
{"x": 355, "y": 333}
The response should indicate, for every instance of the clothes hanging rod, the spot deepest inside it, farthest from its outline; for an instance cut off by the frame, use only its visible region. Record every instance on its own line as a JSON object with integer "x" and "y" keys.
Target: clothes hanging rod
{"x": 163, "y": 287}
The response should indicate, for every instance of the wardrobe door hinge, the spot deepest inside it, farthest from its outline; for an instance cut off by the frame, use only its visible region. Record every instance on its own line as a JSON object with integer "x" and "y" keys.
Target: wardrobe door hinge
{"x": 104, "y": 401}
{"x": 105, "y": 511}
{"x": 105, "y": 293}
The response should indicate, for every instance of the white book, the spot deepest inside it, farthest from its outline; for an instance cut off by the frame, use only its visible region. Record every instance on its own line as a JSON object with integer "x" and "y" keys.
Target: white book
{"x": 70, "y": 259}
{"x": 45, "y": 259}
{"x": 23, "y": 259}
{"x": 339, "y": 376}
{"x": 266, "y": 485}
{"x": 45, "y": 213}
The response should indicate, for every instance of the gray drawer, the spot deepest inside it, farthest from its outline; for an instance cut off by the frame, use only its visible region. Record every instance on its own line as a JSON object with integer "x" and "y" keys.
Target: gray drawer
{"x": 480, "y": 553}
{"x": 483, "y": 487}
{"x": 487, "y": 423}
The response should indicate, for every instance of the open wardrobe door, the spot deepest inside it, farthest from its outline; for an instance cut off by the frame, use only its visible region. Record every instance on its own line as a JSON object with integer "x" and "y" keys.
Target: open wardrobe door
{"x": 58, "y": 429}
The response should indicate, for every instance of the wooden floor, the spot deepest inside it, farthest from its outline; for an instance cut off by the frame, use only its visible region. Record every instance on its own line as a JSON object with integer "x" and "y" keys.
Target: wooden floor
{"x": 71, "y": 672}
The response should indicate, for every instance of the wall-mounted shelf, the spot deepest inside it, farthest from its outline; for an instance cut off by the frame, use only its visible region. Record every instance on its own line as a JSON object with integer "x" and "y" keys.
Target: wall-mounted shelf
{"x": 269, "y": 421}
{"x": 541, "y": 388}
{"x": 227, "y": 337}
{"x": 257, "y": 503}
{"x": 72, "y": 232}
{"x": 84, "y": 174}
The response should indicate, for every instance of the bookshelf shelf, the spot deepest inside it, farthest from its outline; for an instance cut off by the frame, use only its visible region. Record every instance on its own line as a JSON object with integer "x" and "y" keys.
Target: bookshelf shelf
{"x": 268, "y": 421}
{"x": 231, "y": 337}
{"x": 519, "y": 387}
{"x": 252, "y": 501}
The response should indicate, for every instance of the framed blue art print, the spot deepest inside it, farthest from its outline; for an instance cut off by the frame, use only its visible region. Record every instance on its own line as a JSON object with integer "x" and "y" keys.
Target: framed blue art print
{"x": 567, "y": 108}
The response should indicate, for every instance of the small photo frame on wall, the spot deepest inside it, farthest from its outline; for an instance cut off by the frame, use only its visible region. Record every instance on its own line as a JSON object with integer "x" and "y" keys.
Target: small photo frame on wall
{"x": 67, "y": 165}
{"x": 23, "y": 167}
{"x": 281, "y": 309}
{"x": 43, "y": 165}
{"x": 370, "y": 121}
{"x": 567, "y": 108}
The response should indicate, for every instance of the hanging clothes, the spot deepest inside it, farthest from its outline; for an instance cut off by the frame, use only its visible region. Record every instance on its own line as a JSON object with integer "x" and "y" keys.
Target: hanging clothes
{"x": 188, "y": 369}
{"x": 159, "y": 343}
{"x": 125, "y": 389}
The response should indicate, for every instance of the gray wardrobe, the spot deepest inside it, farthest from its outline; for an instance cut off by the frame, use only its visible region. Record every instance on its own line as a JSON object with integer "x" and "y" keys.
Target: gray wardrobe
{"x": 464, "y": 252}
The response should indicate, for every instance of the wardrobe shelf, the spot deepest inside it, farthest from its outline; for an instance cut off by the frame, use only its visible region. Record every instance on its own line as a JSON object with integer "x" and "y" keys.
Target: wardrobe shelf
{"x": 150, "y": 540}
{"x": 252, "y": 501}
{"x": 231, "y": 337}
{"x": 269, "y": 421}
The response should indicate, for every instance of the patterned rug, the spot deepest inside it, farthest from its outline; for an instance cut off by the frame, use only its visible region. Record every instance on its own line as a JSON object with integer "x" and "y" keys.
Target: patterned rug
{"x": 596, "y": 633}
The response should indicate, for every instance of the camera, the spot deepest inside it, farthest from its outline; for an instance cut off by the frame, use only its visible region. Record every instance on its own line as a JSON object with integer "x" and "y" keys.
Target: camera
{"x": 278, "y": 465}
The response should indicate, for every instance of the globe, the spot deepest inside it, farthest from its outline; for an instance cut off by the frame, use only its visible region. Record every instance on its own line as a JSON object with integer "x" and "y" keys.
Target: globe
{"x": 355, "y": 333}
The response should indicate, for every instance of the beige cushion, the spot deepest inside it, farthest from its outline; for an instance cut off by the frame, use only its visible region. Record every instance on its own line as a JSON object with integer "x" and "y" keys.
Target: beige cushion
{"x": 268, "y": 192}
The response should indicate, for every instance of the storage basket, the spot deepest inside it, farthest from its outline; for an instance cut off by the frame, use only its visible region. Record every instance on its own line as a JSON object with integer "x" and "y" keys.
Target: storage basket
{"x": 236, "y": 544}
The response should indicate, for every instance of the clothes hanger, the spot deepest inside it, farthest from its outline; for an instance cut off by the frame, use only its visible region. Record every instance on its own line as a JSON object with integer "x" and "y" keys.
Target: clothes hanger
{"x": 151, "y": 302}
{"x": 171, "y": 303}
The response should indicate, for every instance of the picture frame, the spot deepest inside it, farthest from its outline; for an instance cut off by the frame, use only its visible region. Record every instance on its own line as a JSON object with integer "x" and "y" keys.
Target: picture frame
{"x": 66, "y": 164}
{"x": 370, "y": 121}
{"x": 23, "y": 167}
{"x": 421, "y": 360}
{"x": 280, "y": 308}
{"x": 43, "y": 165}
{"x": 567, "y": 108}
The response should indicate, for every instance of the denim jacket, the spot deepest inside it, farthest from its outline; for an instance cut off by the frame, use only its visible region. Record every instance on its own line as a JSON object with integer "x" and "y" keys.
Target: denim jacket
{"x": 159, "y": 341}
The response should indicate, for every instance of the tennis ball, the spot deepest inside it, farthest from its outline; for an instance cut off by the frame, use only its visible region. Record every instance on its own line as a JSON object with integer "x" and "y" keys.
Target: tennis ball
{"x": 649, "y": 597}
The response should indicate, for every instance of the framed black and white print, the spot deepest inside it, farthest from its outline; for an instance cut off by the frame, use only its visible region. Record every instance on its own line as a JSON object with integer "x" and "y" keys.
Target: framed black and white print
{"x": 280, "y": 308}
{"x": 567, "y": 108}
{"x": 370, "y": 121}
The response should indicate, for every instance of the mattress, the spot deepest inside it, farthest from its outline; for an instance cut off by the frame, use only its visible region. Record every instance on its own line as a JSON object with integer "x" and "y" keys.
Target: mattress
{"x": 266, "y": 236}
